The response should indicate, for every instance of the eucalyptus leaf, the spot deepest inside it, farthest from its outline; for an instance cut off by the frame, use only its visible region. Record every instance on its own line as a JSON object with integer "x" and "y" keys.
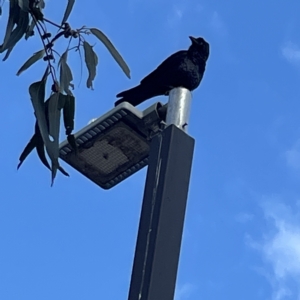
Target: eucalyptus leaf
{"x": 40, "y": 147}
{"x": 68, "y": 11}
{"x": 37, "y": 93}
{"x": 54, "y": 124}
{"x": 17, "y": 33}
{"x": 37, "y": 142}
{"x": 14, "y": 10}
{"x": 29, "y": 147}
{"x": 72, "y": 141}
{"x": 62, "y": 100}
{"x": 54, "y": 116}
{"x": 69, "y": 113}
{"x": 24, "y": 5}
{"x": 41, "y": 152}
{"x": 33, "y": 59}
{"x": 65, "y": 74}
{"x": 91, "y": 61}
{"x": 67, "y": 103}
{"x": 116, "y": 55}
{"x": 29, "y": 30}
{"x": 41, "y": 4}
{"x": 7, "y": 53}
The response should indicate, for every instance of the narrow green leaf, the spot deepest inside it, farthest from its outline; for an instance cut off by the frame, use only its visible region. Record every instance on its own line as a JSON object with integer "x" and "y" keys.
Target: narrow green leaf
{"x": 29, "y": 147}
{"x": 17, "y": 33}
{"x": 69, "y": 114}
{"x": 116, "y": 55}
{"x": 40, "y": 149}
{"x": 72, "y": 142}
{"x": 14, "y": 10}
{"x": 61, "y": 169}
{"x": 37, "y": 93}
{"x": 29, "y": 30}
{"x": 54, "y": 124}
{"x": 54, "y": 116}
{"x": 7, "y": 53}
{"x": 65, "y": 74}
{"x": 62, "y": 100}
{"x": 40, "y": 146}
{"x": 24, "y": 5}
{"x": 53, "y": 111}
{"x": 42, "y": 4}
{"x": 91, "y": 61}
{"x": 68, "y": 11}
{"x": 33, "y": 59}
{"x": 37, "y": 142}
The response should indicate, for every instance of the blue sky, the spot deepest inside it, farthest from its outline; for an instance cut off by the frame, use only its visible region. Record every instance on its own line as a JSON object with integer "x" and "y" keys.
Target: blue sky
{"x": 242, "y": 231}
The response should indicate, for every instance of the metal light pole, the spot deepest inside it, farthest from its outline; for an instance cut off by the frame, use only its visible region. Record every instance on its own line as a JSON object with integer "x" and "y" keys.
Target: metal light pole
{"x": 163, "y": 209}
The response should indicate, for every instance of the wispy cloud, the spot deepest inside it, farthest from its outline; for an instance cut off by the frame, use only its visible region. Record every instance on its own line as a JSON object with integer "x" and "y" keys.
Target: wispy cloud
{"x": 293, "y": 156}
{"x": 184, "y": 292}
{"x": 175, "y": 16}
{"x": 291, "y": 52}
{"x": 280, "y": 249}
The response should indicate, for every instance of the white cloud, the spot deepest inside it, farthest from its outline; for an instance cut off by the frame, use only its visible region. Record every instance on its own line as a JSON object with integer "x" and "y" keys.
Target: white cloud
{"x": 293, "y": 156}
{"x": 280, "y": 249}
{"x": 184, "y": 292}
{"x": 291, "y": 53}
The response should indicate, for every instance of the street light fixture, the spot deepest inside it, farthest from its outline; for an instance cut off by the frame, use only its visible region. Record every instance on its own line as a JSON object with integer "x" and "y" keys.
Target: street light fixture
{"x": 115, "y": 145}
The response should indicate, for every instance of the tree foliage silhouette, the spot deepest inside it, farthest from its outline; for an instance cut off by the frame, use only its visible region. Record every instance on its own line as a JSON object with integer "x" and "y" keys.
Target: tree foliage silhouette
{"x": 26, "y": 17}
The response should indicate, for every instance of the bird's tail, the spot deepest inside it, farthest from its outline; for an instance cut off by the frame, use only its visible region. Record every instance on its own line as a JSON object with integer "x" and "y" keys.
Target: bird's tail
{"x": 136, "y": 95}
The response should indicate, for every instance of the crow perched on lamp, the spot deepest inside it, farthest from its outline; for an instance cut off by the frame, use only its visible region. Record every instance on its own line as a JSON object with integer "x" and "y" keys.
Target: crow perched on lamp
{"x": 182, "y": 69}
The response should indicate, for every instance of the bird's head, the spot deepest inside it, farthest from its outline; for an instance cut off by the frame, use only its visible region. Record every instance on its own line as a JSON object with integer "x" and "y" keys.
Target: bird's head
{"x": 201, "y": 45}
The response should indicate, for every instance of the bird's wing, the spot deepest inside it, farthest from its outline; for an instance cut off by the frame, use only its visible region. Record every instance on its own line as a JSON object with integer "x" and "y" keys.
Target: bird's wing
{"x": 167, "y": 65}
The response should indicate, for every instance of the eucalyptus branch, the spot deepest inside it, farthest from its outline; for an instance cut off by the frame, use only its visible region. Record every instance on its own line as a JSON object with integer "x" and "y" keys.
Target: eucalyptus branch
{"x": 39, "y": 31}
{"x": 52, "y": 23}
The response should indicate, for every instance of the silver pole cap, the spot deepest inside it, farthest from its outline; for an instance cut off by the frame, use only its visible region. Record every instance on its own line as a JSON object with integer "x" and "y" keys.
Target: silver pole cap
{"x": 179, "y": 106}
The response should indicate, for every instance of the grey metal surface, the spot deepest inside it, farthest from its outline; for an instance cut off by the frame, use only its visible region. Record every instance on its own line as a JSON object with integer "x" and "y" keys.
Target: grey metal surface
{"x": 162, "y": 217}
{"x": 179, "y": 106}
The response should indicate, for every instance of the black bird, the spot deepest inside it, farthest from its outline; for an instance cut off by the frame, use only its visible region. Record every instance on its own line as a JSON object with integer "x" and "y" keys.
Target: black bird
{"x": 182, "y": 69}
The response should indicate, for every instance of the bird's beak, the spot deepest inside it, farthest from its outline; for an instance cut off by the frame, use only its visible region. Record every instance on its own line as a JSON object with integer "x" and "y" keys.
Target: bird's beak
{"x": 193, "y": 39}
